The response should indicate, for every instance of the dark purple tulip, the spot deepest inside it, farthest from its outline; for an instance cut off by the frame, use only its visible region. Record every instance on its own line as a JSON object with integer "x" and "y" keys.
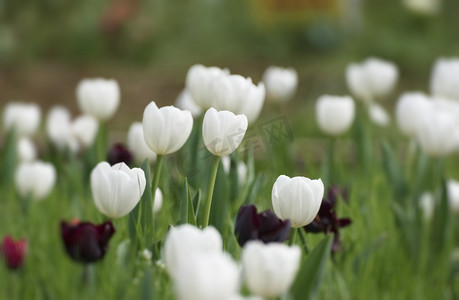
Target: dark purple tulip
{"x": 14, "y": 252}
{"x": 85, "y": 242}
{"x": 335, "y": 192}
{"x": 265, "y": 226}
{"x": 328, "y": 222}
{"x": 119, "y": 153}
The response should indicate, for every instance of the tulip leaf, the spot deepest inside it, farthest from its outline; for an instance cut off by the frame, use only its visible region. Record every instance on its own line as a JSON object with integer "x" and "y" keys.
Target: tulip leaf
{"x": 147, "y": 290}
{"x": 393, "y": 172}
{"x": 186, "y": 208}
{"x": 146, "y": 218}
{"x": 8, "y": 163}
{"x": 441, "y": 221}
{"x": 312, "y": 271}
{"x": 195, "y": 203}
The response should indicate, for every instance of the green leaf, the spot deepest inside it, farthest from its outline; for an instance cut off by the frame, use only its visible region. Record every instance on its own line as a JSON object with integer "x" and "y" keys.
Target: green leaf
{"x": 9, "y": 159}
{"x": 441, "y": 221}
{"x": 393, "y": 172}
{"x": 186, "y": 207}
{"x": 146, "y": 219}
{"x": 147, "y": 290}
{"x": 312, "y": 271}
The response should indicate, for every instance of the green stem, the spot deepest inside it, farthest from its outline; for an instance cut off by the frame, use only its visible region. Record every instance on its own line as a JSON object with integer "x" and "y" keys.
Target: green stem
{"x": 213, "y": 176}
{"x": 154, "y": 185}
{"x": 101, "y": 141}
{"x": 303, "y": 240}
{"x": 291, "y": 239}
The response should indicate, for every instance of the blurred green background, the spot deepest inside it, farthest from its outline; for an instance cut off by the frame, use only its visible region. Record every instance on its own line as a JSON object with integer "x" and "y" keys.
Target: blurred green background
{"x": 47, "y": 46}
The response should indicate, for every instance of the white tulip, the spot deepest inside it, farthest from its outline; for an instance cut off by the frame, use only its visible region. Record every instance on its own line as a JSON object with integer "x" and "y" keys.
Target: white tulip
{"x": 35, "y": 179}
{"x": 184, "y": 101}
{"x": 83, "y": 130}
{"x": 166, "y": 129}
{"x": 270, "y": 269}
{"x": 116, "y": 190}
{"x": 425, "y": 7}
{"x": 427, "y": 204}
{"x": 444, "y": 81}
{"x": 58, "y": 126}
{"x": 185, "y": 240}
{"x": 26, "y": 150}
{"x": 241, "y": 168}
{"x": 409, "y": 111}
{"x": 378, "y": 115}
{"x": 371, "y": 79}
{"x": 24, "y": 118}
{"x": 137, "y": 145}
{"x": 198, "y": 83}
{"x": 437, "y": 132}
{"x": 98, "y": 97}
{"x": 253, "y": 101}
{"x": 335, "y": 114}
{"x": 158, "y": 201}
{"x": 207, "y": 276}
{"x": 281, "y": 83}
{"x": 452, "y": 187}
{"x": 223, "y": 131}
{"x": 297, "y": 199}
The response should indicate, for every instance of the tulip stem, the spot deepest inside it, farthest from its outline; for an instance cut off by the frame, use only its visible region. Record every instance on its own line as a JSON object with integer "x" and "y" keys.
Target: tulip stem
{"x": 154, "y": 185}
{"x": 291, "y": 239}
{"x": 213, "y": 176}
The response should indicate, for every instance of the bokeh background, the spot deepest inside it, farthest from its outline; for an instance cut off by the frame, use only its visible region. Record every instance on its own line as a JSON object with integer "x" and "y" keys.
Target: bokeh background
{"x": 47, "y": 46}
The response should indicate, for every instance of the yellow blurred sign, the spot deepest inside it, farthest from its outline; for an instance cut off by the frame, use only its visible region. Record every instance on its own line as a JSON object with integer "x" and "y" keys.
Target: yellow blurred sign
{"x": 295, "y": 11}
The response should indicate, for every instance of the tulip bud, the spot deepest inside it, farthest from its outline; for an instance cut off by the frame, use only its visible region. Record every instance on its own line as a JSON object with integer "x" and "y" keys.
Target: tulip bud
{"x": 409, "y": 111}
{"x": 58, "y": 126}
{"x": 14, "y": 252}
{"x": 241, "y": 168}
{"x": 427, "y": 204}
{"x": 297, "y": 199}
{"x": 118, "y": 153}
{"x": 444, "y": 81}
{"x": 184, "y": 101}
{"x": 158, "y": 201}
{"x": 335, "y": 114}
{"x": 264, "y": 226}
{"x": 24, "y": 118}
{"x": 435, "y": 132}
{"x": 137, "y": 145}
{"x": 453, "y": 195}
{"x": 424, "y": 7}
{"x": 378, "y": 115}
{"x": 198, "y": 83}
{"x": 223, "y": 131}
{"x": 280, "y": 83}
{"x": 269, "y": 269}
{"x": 85, "y": 242}
{"x": 371, "y": 79}
{"x": 207, "y": 276}
{"x": 184, "y": 240}
{"x": 35, "y": 179}
{"x": 84, "y": 130}
{"x": 26, "y": 150}
{"x": 252, "y": 101}
{"x": 98, "y": 97}
{"x": 166, "y": 129}
{"x": 116, "y": 190}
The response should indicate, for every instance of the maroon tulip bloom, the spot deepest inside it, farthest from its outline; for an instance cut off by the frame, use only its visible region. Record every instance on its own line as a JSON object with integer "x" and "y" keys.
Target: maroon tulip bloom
{"x": 328, "y": 222}
{"x": 265, "y": 226}
{"x": 118, "y": 153}
{"x": 85, "y": 242}
{"x": 14, "y": 252}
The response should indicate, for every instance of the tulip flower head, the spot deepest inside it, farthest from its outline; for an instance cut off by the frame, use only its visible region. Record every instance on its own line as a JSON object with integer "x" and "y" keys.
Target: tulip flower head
{"x": 85, "y": 242}
{"x": 378, "y": 115}
{"x": 427, "y": 205}
{"x": 423, "y": 7}
{"x": 372, "y": 79}
{"x": 297, "y": 199}
{"x": 280, "y": 83}
{"x": 265, "y": 226}
{"x": 207, "y": 276}
{"x": 24, "y": 118}
{"x": 26, "y": 150}
{"x": 444, "y": 81}
{"x": 223, "y": 131}
{"x": 116, "y": 189}
{"x": 269, "y": 269}
{"x": 184, "y": 101}
{"x": 35, "y": 179}
{"x": 452, "y": 187}
{"x": 335, "y": 114}
{"x": 185, "y": 240}
{"x": 158, "y": 201}
{"x": 410, "y": 110}
{"x": 13, "y": 252}
{"x": 98, "y": 97}
{"x": 166, "y": 129}
{"x": 137, "y": 145}
{"x": 118, "y": 153}
{"x": 83, "y": 130}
